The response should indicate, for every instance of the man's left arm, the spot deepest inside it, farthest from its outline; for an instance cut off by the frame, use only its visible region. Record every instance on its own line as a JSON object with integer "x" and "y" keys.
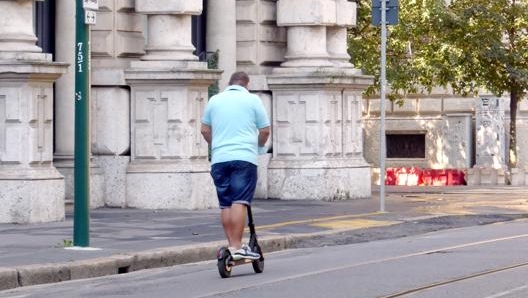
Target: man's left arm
{"x": 263, "y": 136}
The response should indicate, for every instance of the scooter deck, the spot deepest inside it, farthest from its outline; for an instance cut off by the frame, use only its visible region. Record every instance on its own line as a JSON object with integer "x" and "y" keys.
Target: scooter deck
{"x": 240, "y": 262}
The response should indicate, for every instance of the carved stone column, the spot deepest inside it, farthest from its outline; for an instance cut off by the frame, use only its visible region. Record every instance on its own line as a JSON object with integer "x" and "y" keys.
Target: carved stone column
{"x": 169, "y": 167}
{"x": 222, "y": 36}
{"x": 31, "y": 189}
{"x": 306, "y": 21}
{"x": 336, "y": 36}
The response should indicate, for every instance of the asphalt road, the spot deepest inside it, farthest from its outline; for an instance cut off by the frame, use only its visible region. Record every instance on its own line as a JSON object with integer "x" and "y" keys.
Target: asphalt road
{"x": 487, "y": 261}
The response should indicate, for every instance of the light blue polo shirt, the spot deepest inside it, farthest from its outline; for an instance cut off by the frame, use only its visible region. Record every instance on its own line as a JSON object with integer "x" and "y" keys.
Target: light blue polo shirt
{"x": 235, "y": 116}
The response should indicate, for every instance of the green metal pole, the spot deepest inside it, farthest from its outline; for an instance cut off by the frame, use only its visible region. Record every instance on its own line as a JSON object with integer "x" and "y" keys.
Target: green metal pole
{"x": 383, "y": 84}
{"x": 81, "y": 219}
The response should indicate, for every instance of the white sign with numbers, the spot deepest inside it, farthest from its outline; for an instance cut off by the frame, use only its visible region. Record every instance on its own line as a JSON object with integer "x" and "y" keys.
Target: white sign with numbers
{"x": 90, "y": 17}
{"x": 90, "y": 4}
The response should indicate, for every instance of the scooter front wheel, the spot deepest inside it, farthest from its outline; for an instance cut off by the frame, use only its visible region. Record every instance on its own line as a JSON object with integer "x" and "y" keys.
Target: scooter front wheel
{"x": 258, "y": 265}
{"x": 224, "y": 259}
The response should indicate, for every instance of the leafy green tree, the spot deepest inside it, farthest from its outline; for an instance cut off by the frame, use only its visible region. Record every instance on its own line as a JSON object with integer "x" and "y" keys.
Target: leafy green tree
{"x": 464, "y": 44}
{"x": 412, "y": 47}
{"x": 489, "y": 41}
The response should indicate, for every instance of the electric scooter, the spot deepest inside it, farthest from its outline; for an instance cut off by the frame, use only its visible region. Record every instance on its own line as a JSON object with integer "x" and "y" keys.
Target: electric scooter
{"x": 225, "y": 260}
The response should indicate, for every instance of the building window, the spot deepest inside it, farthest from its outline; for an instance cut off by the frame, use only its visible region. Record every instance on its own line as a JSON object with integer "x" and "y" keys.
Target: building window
{"x": 405, "y": 145}
{"x": 45, "y": 25}
{"x": 198, "y": 32}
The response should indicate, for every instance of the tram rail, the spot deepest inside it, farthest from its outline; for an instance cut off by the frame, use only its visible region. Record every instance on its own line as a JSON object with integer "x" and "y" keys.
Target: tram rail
{"x": 454, "y": 280}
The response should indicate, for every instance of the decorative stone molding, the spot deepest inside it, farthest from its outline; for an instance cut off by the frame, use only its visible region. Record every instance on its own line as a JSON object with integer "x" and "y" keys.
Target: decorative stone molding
{"x": 456, "y": 144}
{"x": 307, "y": 12}
{"x": 166, "y": 113}
{"x": 169, "y": 167}
{"x": 260, "y": 43}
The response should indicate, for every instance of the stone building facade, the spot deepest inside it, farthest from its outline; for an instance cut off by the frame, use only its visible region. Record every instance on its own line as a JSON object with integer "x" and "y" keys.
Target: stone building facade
{"x": 149, "y": 84}
{"x": 469, "y": 134}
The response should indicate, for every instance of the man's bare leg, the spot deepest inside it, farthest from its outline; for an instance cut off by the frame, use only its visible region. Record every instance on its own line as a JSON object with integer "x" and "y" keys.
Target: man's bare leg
{"x": 234, "y": 220}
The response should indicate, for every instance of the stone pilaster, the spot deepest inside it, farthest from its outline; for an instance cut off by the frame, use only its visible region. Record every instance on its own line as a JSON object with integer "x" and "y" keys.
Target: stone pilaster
{"x": 65, "y": 85}
{"x": 116, "y": 40}
{"x": 519, "y": 174}
{"x": 260, "y": 47}
{"x": 31, "y": 189}
{"x": 490, "y": 143}
{"x": 169, "y": 166}
{"x": 522, "y": 134}
{"x": 318, "y": 144}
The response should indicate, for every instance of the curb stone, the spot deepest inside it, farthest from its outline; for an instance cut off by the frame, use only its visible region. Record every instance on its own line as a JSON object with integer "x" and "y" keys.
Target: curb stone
{"x": 43, "y": 274}
{"x": 98, "y": 267}
{"x": 8, "y": 278}
{"x": 124, "y": 263}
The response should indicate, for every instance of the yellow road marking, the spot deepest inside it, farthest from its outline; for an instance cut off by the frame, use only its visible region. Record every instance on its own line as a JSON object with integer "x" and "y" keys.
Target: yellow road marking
{"x": 313, "y": 220}
{"x": 354, "y": 224}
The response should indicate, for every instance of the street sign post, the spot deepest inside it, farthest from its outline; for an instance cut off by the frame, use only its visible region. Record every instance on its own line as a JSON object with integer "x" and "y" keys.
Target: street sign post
{"x": 391, "y": 12}
{"x": 384, "y": 12}
{"x": 81, "y": 176}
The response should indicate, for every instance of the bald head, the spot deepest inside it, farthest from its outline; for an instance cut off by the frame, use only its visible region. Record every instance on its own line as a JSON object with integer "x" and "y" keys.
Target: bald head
{"x": 239, "y": 78}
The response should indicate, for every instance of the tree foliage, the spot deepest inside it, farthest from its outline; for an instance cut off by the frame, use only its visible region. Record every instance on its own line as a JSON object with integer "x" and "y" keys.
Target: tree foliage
{"x": 465, "y": 44}
{"x": 412, "y": 47}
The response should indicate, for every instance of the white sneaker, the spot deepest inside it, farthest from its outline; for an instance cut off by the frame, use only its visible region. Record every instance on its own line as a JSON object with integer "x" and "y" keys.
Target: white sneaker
{"x": 245, "y": 253}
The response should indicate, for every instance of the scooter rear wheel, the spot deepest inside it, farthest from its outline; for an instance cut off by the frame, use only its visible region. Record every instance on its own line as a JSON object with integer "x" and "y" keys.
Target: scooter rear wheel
{"x": 258, "y": 265}
{"x": 224, "y": 257}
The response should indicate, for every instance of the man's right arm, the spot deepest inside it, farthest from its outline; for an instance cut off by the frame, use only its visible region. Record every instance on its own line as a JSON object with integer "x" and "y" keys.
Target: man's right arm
{"x": 206, "y": 133}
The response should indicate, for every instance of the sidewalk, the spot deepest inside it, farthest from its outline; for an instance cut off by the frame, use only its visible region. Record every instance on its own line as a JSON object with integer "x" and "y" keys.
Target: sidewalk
{"x": 126, "y": 240}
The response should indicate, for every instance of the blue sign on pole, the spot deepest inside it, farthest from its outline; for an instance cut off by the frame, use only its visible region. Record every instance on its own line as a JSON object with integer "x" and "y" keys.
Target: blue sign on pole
{"x": 392, "y": 7}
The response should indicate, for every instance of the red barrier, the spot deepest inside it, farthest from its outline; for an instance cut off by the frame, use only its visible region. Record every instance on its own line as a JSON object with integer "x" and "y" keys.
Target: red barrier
{"x": 415, "y": 176}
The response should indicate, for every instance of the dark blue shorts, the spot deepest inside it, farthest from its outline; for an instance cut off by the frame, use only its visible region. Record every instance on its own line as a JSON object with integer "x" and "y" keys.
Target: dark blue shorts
{"x": 235, "y": 182}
